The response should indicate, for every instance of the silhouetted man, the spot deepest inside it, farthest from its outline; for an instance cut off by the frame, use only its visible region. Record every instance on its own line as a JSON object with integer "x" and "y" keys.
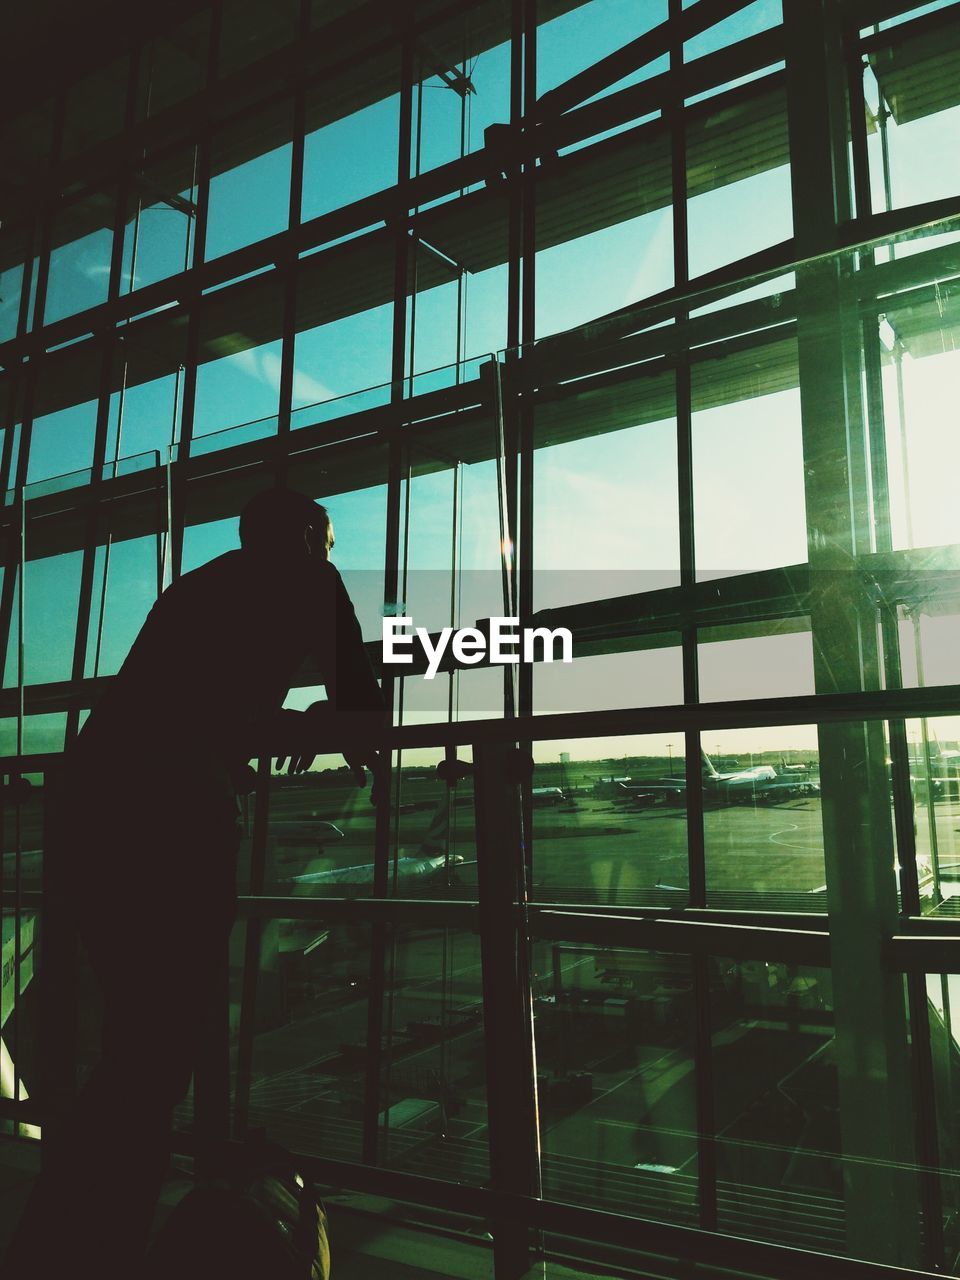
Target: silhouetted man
{"x": 146, "y": 825}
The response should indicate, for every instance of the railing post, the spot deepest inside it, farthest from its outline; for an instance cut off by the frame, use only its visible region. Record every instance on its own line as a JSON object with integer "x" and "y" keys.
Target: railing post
{"x": 507, "y": 1005}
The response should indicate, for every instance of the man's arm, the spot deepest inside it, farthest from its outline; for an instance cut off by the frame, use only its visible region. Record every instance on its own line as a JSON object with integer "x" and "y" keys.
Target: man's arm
{"x": 354, "y": 713}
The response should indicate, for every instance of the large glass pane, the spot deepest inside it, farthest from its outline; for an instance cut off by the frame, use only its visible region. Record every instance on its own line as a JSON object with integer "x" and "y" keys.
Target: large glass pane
{"x": 586, "y": 33}
{"x": 749, "y": 21}
{"x": 250, "y": 32}
{"x": 433, "y": 1111}
{"x": 250, "y": 187}
{"x": 913, "y": 104}
{"x": 773, "y": 661}
{"x": 606, "y": 506}
{"x": 617, "y": 1088}
{"x": 762, "y": 825}
{"x": 174, "y": 64}
{"x": 942, "y": 1001}
{"x": 161, "y": 218}
{"x": 51, "y": 600}
{"x": 580, "y": 271}
{"x": 738, "y": 178}
{"x": 434, "y": 848}
{"x": 82, "y": 242}
{"x": 95, "y": 106}
{"x": 14, "y": 249}
{"x": 310, "y": 1037}
{"x": 352, "y": 140}
{"x": 776, "y": 1107}
{"x": 609, "y": 821}
{"x": 748, "y": 475}
{"x": 920, "y": 374}
{"x": 344, "y": 337}
{"x": 61, "y": 443}
{"x": 933, "y": 760}
{"x": 642, "y": 677}
{"x": 321, "y": 830}
{"x": 125, "y": 588}
{"x": 239, "y": 388}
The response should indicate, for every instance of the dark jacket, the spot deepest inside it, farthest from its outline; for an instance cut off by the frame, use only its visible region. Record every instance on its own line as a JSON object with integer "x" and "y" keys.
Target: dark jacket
{"x": 207, "y": 675}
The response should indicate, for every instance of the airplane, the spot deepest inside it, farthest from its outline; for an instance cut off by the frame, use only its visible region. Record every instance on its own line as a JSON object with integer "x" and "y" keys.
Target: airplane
{"x": 757, "y": 782}
{"x": 430, "y": 866}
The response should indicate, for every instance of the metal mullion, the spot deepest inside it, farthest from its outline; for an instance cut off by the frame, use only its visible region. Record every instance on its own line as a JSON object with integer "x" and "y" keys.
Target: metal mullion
{"x": 858, "y": 123}
{"x": 702, "y": 1051}
{"x": 926, "y": 1126}
{"x": 111, "y": 346}
{"x": 252, "y": 946}
{"x": 523, "y": 534}
{"x": 11, "y": 581}
{"x": 378, "y": 933}
{"x": 289, "y": 260}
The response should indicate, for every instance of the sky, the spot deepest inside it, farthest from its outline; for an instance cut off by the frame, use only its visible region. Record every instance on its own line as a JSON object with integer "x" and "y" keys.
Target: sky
{"x": 748, "y": 466}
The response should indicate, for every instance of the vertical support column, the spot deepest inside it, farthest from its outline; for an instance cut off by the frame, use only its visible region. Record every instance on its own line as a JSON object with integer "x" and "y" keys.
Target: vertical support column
{"x": 378, "y": 931}
{"x": 870, "y": 1015}
{"x": 193, "y": 300}
{"x": 290, "y": 263}
{"x": 507, "y": 1006}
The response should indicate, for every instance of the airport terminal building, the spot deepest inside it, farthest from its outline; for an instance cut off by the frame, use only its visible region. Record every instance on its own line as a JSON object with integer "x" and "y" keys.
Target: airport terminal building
{"x": 633, "y": 318}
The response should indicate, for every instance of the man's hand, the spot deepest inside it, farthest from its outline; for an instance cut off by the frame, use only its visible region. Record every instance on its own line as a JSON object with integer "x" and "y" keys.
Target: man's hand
{"x": 320, "y": 721}
{"x": 309, "y": 724}
{"x": 357, "y": 758}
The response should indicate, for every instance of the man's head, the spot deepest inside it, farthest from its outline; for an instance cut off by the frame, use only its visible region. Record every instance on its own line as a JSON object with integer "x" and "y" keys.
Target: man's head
{"x": 284, "y": 525}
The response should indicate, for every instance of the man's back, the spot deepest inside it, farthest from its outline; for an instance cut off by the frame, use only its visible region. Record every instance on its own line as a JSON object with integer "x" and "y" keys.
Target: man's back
{"x": 216, "y": 657}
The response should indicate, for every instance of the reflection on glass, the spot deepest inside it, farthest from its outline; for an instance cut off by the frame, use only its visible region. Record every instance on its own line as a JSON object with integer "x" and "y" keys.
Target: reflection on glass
{"x": 433, "y": 1111}
{"x": 776, "y": 1106}
{"x": 942, "y": 1003}
{"x": 616, "y": 1084}
{"x": 433, "y": 850}
{"x": 762, "y": 827}
{"x": 309, "y": 1048}
{"x": 321, "y": 831}
{"x": 609, "y": 821}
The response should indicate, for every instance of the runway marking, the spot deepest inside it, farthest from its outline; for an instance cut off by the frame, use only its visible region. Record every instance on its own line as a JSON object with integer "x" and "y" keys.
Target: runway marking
{"x": 787, "y": 844}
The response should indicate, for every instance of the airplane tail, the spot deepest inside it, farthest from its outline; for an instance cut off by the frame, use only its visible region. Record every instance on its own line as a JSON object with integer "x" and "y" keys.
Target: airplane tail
{"x": 707, "y": 769}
